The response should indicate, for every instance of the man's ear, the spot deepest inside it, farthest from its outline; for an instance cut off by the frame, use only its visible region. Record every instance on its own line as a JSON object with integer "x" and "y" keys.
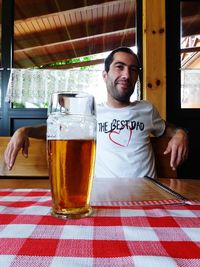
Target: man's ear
{"x": 104, "y": 74}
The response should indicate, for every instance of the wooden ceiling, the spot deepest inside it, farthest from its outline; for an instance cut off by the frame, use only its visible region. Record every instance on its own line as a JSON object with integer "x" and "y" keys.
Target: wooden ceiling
{"x": 46, "y": 31}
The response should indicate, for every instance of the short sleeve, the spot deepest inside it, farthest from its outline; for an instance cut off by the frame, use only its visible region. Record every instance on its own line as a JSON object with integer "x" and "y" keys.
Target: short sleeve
{"x": 158, "y": 124}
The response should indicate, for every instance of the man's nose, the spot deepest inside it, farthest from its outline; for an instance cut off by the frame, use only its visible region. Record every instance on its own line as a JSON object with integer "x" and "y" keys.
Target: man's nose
{"x": 126, "y": 73}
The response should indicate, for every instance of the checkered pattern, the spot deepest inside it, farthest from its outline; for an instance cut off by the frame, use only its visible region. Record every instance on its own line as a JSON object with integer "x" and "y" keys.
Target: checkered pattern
{"x": 134, "y": 235}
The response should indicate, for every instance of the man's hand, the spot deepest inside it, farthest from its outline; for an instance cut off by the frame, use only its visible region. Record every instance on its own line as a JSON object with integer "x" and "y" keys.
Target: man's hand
{"x": 178, "y": 147}
{"x": 18, "y": 141}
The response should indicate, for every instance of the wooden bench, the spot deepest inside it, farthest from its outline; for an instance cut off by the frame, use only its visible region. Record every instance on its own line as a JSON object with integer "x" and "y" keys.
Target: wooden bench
{"x": 36, "y": 163}
{"x": 33, "y": 166}
{"x": 162, "y": 162}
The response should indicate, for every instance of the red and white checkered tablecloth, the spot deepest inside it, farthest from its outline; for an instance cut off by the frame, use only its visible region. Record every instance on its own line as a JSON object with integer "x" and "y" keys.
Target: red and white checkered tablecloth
{"x": 153, "y": 235}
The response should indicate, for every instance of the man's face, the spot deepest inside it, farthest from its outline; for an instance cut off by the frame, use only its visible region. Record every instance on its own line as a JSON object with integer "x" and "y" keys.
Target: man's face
{"x": 121, "y": 77}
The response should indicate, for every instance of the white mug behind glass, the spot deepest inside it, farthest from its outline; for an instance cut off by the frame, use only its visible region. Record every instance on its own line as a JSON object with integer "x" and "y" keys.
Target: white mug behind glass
{"x": 71, "y": 136}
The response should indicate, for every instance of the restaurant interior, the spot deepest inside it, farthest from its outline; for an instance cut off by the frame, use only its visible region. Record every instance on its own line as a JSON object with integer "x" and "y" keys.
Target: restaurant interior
{"x": 52, "y": 215}
{"x": 72, "y": 35}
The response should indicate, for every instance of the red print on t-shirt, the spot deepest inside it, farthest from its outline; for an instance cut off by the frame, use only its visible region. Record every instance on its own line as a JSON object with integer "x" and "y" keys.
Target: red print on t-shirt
{"x": 121, "y": 137}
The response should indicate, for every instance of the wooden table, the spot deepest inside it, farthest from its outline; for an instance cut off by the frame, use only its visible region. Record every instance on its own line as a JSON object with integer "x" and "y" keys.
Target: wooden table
{"x": 121, "y": 189}
{"x": 24, "y": 183}
{"x": 189, "y": 188}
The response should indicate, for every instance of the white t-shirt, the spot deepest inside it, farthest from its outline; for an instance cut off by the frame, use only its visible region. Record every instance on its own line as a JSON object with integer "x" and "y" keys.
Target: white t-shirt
{"x": 123, "y": 140}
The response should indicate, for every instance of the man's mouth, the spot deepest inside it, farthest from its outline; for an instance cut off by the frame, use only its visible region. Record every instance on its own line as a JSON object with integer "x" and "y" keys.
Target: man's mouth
{"x": 123, "y": 83}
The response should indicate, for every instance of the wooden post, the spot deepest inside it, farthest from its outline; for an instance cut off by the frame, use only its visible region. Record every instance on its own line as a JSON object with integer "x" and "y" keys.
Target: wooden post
{"x": 154, "y": 54}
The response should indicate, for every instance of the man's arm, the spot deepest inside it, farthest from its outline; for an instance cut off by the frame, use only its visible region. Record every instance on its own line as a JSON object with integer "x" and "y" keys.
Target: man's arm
{"x": 20, "y": 140}
{"x": 177, "y": 146}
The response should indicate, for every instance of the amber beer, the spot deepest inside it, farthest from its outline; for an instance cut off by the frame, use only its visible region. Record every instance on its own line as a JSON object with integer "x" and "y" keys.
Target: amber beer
{"x": 71, "y": 165}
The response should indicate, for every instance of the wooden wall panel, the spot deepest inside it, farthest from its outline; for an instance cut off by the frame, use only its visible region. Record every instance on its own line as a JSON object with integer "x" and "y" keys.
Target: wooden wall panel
{"x": 154, "y": 54}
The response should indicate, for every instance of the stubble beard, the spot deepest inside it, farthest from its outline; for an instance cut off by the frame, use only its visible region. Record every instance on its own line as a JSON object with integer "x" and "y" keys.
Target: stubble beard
{"x": 118, "y": 94}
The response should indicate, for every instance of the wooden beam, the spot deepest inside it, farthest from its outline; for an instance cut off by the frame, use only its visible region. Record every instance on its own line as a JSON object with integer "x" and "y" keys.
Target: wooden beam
{"x": 154, "y": 54}
{"x": 97, "y": 44}
{"x": 190, "y": 49}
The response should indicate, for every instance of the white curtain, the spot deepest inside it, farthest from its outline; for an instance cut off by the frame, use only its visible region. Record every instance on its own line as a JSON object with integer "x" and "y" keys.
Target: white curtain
{"x": 36, "y": 85}
{"x": 190, "y": 88}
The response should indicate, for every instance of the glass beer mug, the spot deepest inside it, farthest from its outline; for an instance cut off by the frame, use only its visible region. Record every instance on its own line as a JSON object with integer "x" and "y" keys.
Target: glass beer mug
{"x": 71, "y": 137}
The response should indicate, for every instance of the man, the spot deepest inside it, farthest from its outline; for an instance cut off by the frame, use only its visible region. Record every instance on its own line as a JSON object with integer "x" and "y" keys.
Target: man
{"x": 123, "y": 128}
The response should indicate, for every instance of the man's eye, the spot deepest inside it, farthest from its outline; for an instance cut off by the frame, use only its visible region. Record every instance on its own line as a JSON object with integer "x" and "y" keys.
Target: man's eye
{"x": 134, "y": 69}
{"x": 120, "y": 67}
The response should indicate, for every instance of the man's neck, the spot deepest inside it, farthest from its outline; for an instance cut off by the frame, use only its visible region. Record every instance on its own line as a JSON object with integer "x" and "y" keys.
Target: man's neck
{"x": 113, "y": 103}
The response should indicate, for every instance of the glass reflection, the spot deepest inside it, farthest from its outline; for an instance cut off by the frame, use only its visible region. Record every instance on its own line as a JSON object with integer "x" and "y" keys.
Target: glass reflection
{"x": 190, "y": 54}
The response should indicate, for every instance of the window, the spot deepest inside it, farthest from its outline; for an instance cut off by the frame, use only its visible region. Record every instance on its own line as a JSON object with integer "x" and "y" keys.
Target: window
{"x": 190, "y": 54}
{"x": 41, "y": 35}
{"x": 66, "y": 35}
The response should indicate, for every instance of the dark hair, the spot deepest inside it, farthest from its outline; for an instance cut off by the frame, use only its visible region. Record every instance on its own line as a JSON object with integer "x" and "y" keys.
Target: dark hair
{"x": 110, "y": 57}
